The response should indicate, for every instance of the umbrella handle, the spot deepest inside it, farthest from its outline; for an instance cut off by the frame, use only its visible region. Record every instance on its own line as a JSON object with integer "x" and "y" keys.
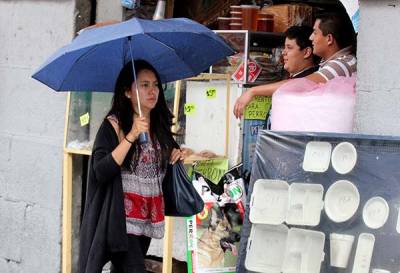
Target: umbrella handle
{"x": 143, "y": 138}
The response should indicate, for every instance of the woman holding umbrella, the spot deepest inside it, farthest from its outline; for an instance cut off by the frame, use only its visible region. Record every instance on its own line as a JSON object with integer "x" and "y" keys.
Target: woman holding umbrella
{"x": 124, "y": 204}
{"x": 121, "y": 167}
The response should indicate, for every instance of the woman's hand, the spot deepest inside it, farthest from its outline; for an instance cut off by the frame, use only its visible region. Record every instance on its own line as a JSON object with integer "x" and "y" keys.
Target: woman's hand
{"x": 176, "y": 155}
{"x": 140, "y": 125}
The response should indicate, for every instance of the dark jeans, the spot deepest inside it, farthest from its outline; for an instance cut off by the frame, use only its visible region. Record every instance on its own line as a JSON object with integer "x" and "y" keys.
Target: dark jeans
{"x": 131, "y": 261}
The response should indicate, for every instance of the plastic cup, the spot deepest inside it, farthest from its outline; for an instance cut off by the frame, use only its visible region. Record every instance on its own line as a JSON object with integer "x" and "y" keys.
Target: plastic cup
{"x": 265, "y": 24}
{"x": 235, "y": 26}
{"x": 236, "y": 14}
{"x": 340, "y": 249}
{"x": 236, "y": 8}
{"x": 249, "y": 16}
{"x": 223, "y": 23}
{"x": 236, "y": 20}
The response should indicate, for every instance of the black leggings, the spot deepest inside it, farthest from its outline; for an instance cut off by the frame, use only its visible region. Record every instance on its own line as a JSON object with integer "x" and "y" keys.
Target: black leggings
{"x": 131, "y": 261}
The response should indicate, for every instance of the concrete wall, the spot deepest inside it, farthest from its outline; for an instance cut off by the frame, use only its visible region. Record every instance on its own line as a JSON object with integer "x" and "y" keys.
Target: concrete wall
{"x": 31, "y": 135}
{"x": 378, "y": 84}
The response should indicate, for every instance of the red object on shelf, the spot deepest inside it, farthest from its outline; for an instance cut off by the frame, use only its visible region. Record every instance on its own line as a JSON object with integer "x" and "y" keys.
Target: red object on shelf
{"x": 223, "y": 23}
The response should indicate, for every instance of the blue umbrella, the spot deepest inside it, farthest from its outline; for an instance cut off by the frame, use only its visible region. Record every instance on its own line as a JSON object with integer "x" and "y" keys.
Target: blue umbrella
{"x": 177, "y": 48}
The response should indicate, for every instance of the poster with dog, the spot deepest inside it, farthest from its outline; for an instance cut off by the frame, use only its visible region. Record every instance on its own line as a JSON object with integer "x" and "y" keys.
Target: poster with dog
{"x": 213, "y": 235}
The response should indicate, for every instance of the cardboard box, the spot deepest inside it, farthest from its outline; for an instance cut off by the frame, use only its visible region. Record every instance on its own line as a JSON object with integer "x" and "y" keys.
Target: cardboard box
{"x": 287, "y": 15}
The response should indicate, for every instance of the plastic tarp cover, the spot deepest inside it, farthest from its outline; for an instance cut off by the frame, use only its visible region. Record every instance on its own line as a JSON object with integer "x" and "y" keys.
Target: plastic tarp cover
{"x": 376, "y": 173}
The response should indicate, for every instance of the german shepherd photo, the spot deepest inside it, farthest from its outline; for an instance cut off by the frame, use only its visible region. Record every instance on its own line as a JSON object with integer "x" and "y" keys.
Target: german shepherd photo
{"x": 218, "y": 237}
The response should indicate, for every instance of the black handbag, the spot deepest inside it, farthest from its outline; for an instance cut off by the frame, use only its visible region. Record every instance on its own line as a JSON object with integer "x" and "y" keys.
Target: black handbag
{"x": 180, "y": 197}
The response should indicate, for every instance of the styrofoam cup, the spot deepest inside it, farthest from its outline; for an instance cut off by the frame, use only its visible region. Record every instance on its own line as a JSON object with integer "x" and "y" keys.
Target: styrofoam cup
{"x": 340, "y": 249}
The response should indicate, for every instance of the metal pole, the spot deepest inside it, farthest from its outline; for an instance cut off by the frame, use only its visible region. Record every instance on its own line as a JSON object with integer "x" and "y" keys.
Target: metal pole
{"x": 143, "y": 137}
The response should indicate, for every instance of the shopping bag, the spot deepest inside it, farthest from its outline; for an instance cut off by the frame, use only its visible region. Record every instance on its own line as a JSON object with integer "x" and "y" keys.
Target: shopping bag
{"x": 304, "y": 106}
{"x": 180, "y": 197}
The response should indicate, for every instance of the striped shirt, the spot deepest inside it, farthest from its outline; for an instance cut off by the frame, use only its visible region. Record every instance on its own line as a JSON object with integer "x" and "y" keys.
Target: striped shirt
{"x": 341, "y": 64}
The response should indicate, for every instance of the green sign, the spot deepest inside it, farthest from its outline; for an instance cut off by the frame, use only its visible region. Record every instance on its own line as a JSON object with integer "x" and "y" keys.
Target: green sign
{"x": 258, "y": 108}
{"x": 212, "y": 169}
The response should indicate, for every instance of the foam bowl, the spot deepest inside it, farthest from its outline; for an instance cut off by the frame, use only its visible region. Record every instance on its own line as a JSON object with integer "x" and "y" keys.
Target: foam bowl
{"x": 344, "y": 157}
{"x": 341, "y": 201}
{"x": 375, "y": 212}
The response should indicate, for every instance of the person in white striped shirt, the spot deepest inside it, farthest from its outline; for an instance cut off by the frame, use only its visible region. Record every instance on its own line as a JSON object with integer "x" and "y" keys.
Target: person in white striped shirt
{"x": 334, "y": 40}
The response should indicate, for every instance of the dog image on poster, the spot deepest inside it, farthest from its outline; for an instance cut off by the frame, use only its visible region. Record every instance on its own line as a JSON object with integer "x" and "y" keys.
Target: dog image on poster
{"x": 218, "y": 238}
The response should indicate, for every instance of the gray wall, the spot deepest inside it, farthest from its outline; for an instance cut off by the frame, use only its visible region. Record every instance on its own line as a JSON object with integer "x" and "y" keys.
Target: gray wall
{"x": 378, "y": 83}
{"x": 31, "y": 136}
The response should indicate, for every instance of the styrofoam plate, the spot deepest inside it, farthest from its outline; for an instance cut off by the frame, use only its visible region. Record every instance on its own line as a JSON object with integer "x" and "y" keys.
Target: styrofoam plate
{"x": 304, "y": 251}
{"x": 269, "y": 201}
{"x": 344, "y": 157}
{"x": 305, "y": 204}
{"x": 317, "y": 156}
{"x": 341, "y": 201}
{"x": 266, "y": 248}
{"x": 375, "y": 212}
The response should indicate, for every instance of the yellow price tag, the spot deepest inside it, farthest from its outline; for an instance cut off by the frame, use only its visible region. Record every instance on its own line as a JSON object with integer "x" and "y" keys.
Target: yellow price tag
{"x": 189, "y": 108}
{"x": 84, "y": 119}
{"x": 211, "y": 93}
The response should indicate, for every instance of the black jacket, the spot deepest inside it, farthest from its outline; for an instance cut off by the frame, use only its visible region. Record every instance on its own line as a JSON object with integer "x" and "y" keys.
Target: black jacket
{"x": 103, "y": 229}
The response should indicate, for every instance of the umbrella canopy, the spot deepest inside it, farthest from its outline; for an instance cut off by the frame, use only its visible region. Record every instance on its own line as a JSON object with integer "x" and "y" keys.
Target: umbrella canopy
{"x": 177, "y": 48}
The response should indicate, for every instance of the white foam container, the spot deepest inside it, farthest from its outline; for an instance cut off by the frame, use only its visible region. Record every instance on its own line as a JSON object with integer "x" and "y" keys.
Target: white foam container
{"x": 363, "y": 256}
{"x": 398, "y": 224}
{"x": 274, "y": 202}
{"x": 269, "y": 201}
{"x": 266, "y": 248}
{"x": 305, "y": 204}
{"x": 317, "y": 156}
{"x": 276, "y": 249}
{"x": 304, "y": 251}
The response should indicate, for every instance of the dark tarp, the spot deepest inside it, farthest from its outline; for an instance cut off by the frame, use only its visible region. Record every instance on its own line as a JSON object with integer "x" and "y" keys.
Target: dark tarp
{"x": 376, "y": 173}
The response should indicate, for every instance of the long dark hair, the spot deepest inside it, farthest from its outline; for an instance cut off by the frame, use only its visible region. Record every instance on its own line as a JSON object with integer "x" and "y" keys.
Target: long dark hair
{"x": 160, "y": 116}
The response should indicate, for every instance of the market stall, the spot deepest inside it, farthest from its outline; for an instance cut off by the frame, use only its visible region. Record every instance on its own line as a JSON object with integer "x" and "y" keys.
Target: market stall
{"x": 203, "y": 107}
{"x": 322, "y": 203}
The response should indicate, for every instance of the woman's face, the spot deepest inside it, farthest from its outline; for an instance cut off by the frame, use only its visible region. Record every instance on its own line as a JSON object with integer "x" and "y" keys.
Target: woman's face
{"x": 148, "y": 91}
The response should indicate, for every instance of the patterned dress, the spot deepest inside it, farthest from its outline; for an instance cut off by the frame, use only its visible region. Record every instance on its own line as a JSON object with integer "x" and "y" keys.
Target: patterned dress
{"x": 144, "y": 203}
